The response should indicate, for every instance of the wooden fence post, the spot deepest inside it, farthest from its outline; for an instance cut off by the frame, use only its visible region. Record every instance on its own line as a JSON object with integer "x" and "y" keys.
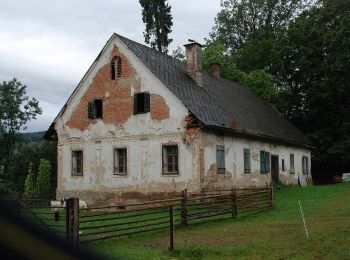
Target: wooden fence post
{"x": 72, "y": 221}
{"x": 271, "y": 195}
{"x": 184, "y": 207}
{"x": 234, "y": 202}
{"x": 171, "y": 232}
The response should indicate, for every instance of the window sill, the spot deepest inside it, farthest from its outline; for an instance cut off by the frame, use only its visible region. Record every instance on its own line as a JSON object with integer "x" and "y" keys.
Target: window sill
{"x": 77, "y": 176}
{"x": 120, "y": 175}
{"x": 170, "y": 174}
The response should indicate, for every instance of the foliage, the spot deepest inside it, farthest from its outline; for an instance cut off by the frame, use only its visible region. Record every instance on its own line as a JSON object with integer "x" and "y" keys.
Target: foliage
{"x": 262, "y": 83}
{"x": 179, "y": 54}
{"x": 43, "y": 183}
{"x": 156, "y": 15}
{"x": 29, "y": 184}
{"x": 16, "y": 109}
{"x": 308, "y": 59}
{"x": 317, "y": 67}
{"x": 243, "y": 20}
{"x": 34, "y": 137}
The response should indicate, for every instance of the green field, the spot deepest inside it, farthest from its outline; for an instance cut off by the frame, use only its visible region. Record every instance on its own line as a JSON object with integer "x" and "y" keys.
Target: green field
{"x": 276, "y": 234}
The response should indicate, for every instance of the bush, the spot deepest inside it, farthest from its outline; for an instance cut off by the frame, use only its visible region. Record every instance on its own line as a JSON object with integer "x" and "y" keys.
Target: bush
{"x": 29, "y": 183}
{"x": 43, "y": 185}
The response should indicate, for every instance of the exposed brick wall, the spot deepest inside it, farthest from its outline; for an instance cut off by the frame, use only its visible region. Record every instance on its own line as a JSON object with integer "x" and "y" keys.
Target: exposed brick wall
{"x": 159, "y": 109}
{"x": 118, "y": 103}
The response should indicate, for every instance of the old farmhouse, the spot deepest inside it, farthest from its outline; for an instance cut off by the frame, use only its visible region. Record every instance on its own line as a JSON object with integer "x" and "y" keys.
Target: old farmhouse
{"x": 142, "y": 124}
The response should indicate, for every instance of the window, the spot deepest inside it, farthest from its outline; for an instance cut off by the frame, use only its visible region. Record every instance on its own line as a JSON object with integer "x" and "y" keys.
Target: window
{"x": 305, "y": 162}
{"x": 141, "y": 103}
{"x": 170, "y": 159}
{"x": 220, "y": 159}
{"x": 116, "y": 62}
{"x": 264, "y": 162}
{"x": 120, "y": 161}
{"x": 292, "y": 163}
{"x": 282, "y": 165}
{"x": 247, "y": 168}
{"x": 77, "y": 163}
{"x": 95, "y": 109}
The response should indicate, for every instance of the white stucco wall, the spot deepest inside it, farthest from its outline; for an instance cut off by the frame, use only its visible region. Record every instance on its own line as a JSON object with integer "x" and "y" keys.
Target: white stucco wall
{"x": 234, "y": 160}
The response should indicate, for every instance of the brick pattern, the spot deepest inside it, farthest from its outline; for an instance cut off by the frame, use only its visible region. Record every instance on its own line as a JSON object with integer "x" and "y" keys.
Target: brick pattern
{"x": 118, "y": 103}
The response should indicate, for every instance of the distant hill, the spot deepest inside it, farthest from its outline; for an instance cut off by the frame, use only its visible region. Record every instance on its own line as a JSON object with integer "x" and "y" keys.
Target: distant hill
{"x": 34, "y": 137}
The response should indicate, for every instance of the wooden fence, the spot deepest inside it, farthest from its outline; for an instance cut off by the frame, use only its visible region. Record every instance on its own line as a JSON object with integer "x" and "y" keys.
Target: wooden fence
{"x": 86, "y": 225}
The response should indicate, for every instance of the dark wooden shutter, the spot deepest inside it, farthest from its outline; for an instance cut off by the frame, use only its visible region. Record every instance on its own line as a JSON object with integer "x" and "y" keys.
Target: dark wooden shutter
{"x": 91, "y": 110}
{"x": 135, "y": 104}
{"x": 147, "y": 99}
{"x": 262, "y": 162}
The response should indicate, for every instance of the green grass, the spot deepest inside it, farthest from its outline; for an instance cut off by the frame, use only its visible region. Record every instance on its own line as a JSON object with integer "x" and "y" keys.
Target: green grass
{"x": 274, "y": 234}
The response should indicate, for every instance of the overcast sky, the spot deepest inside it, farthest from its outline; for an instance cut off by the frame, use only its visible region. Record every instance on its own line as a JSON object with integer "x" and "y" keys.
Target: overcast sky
{"x": 49, "y": 44}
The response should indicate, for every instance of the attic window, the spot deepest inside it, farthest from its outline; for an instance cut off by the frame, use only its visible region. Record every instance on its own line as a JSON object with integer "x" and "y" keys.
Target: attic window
{"x": 95, "y": 109}
{"x": 116, "y": 67}
{"x": 141, "y": 103}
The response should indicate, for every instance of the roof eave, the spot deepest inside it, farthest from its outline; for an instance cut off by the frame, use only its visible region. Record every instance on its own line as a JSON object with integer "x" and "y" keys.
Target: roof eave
{"x": 260, "y": 136}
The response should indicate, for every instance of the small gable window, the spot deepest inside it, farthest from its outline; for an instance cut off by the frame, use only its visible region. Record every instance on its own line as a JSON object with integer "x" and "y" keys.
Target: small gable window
{"x": 116, "y": 68}
{"x": 141, "y": 103}
{"x": 95, "y": 109}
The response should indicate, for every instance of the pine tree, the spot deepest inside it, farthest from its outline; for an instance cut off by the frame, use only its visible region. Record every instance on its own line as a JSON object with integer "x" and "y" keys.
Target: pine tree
{"x": 43, "y": 186}
{"x": 29, "y": 183}
{"x": 158, "y": 20}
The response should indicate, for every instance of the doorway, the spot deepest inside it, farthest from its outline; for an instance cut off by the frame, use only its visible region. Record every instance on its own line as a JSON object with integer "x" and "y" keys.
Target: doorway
{"x": 274, "y": 168}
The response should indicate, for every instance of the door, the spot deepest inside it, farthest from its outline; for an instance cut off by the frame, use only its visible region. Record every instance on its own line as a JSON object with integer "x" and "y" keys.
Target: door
{"x": 274, "y": 168}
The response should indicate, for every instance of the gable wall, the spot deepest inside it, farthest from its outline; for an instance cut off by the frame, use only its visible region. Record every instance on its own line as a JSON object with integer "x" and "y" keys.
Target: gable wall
{"x": 143, "y": 134}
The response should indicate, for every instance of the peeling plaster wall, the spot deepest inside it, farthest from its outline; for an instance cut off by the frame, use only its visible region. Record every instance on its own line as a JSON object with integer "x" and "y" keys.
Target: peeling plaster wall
{"x": 234, "y": 162}
{"x": 143, "y": 134}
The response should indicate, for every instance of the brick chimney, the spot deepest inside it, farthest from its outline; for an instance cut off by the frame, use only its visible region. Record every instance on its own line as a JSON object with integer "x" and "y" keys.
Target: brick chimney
{"x": 194, "y": 61}
{"x": 215, "y": 70}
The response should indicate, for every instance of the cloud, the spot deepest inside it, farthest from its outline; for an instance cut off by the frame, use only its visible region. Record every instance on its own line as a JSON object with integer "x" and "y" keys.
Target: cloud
{"x": 49, "y": 45}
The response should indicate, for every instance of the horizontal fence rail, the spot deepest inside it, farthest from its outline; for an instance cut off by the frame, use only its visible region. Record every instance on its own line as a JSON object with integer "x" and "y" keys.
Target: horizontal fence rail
{"x": 85, "y": 225}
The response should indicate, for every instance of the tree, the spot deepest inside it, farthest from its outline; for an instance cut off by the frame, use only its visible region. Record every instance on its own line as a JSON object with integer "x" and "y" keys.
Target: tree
{"x": 179, "y": 54}
{"x": 243, "y": 20}
{"x": 29, "y": 189}
{"x": 316, "y": 65}
{"x": 156, "y": 15}
{"x": 16, "y": 109}
{"x": 261, "y": 82}
{"x": 43, "y": 184}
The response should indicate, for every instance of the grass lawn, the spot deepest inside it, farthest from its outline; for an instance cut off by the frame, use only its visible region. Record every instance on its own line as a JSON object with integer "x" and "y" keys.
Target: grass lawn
{"x": 276, "y": 234}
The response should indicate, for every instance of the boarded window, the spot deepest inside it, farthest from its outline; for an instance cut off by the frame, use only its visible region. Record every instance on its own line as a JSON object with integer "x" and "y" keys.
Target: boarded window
{"x": 141, "y": 103}
{"x": 120, "y": 161}
{"x": 247, "y": 167}
{"x": 95, "y": 109}
{"x": 77, "y": 163}
{"x": 264, "y": 162}
{"x": 305, "y": 162}
{"x": 170, "y": 159}
{"x": 116, "y": 67}
{"x": 292, "y": 163}
{"x": 282, "y": 165}
{"x": 220, "y": 159}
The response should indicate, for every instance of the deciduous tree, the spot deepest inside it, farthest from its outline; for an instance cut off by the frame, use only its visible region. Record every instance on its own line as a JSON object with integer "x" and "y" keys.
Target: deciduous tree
{"x": 16, "y": 109}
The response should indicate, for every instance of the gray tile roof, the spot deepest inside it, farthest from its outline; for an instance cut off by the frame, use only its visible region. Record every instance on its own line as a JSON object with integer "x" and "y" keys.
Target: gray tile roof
{"x": 220, "y": 103}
